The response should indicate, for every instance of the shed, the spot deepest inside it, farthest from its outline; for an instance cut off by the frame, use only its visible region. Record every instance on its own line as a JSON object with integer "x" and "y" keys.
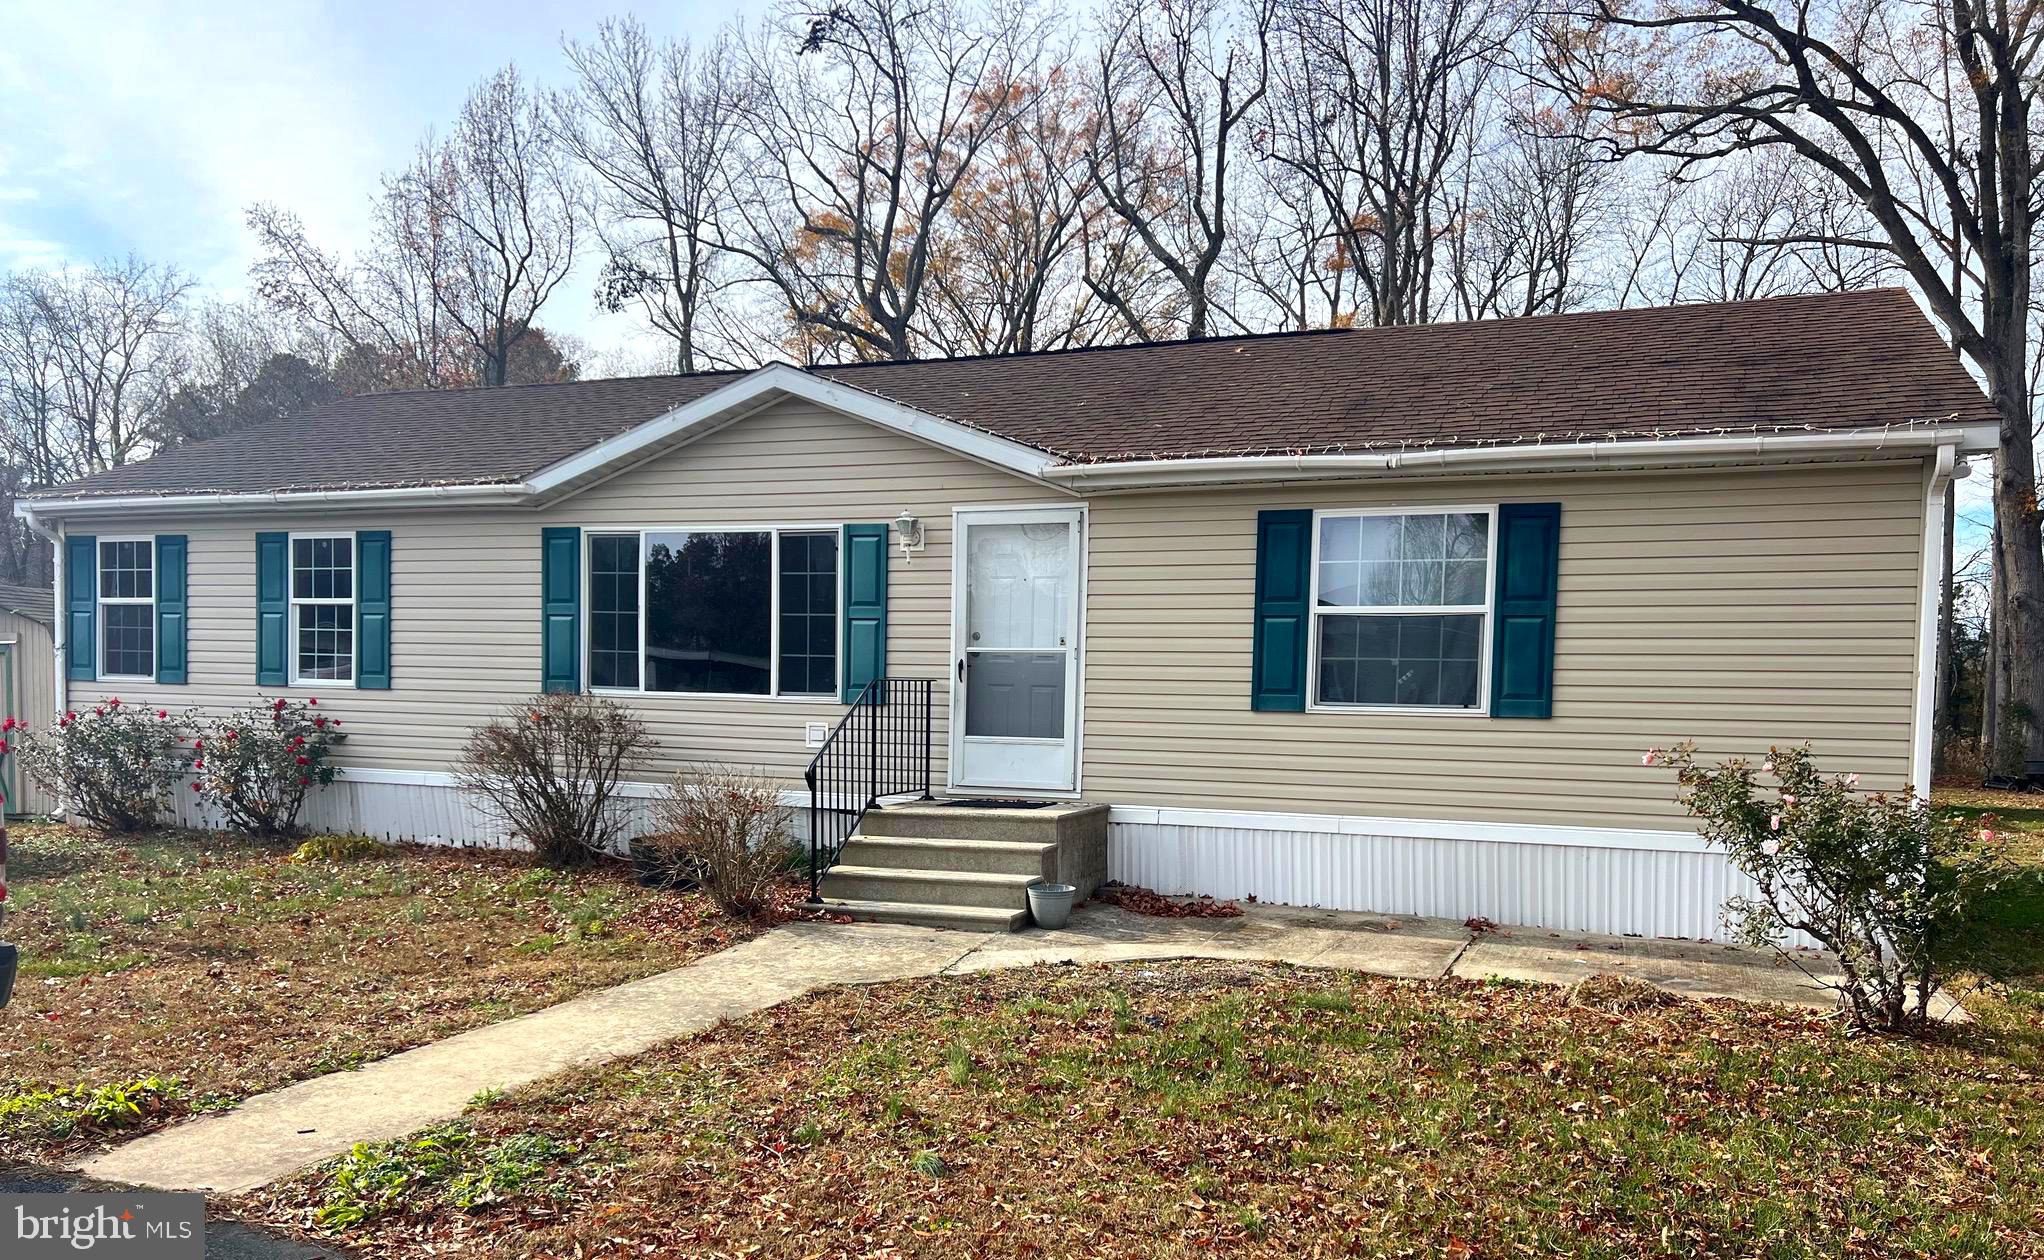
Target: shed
{"x": 27, "y": 681}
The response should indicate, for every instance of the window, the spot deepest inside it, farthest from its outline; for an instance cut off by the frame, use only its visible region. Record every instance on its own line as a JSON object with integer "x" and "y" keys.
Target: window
{"x": 323, "y": 609}
{"x": 714, "y": 612}
{"x": 127, "y": 608}
{"x": 1400, "y": 602}
{"x": 614, "y": 611}
{"x": 808, "y": 649}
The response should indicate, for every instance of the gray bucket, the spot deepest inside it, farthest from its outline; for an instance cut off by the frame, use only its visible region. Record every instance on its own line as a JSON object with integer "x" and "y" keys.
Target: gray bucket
{"x": 1051, "y": 904}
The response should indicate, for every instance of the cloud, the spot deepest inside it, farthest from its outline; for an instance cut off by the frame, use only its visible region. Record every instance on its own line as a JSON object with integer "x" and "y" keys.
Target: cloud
{"x": 151, "y": 131}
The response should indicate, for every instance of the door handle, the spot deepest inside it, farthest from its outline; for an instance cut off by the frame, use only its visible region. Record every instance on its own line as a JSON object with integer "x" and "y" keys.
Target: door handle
{"x": 961, "y": 669}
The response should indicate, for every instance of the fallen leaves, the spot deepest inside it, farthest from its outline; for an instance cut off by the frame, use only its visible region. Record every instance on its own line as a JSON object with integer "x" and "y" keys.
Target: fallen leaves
{"x": 228, "y": 966}
{"x": 1180, "y": 1109}
{"x": 1142, "y": 901}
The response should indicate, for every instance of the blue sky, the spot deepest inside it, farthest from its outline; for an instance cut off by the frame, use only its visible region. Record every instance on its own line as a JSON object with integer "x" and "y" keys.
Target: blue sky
{"x": 151, "y": 126}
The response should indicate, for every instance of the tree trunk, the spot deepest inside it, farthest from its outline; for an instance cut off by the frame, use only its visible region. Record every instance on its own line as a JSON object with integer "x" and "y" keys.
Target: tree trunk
{"x": 1992, "y": 691}
{"x": 2020, "y": 562}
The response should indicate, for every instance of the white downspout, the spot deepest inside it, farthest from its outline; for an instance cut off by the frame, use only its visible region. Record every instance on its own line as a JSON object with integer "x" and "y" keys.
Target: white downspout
{"x": 1938, "y": 474}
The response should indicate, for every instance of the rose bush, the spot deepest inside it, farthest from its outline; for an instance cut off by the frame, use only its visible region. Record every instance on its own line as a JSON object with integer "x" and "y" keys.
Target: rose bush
{"x": 113, "y": 764}
{"x": 258, "y": 764}
{"x": 1880, "y": 879}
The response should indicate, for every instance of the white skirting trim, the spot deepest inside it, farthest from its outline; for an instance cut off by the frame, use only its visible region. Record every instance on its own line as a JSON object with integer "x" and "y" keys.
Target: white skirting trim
{"x": 1579, "y": 879}
{"x": 426, "y": 807}
{"x": 1565, "y": 887}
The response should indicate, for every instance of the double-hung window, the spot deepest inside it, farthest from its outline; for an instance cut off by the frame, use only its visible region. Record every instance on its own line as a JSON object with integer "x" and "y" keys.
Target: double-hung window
{"x": 1401, "y": 608}
{"x": 127, "y": 608}
{"x": 323, "y": 608}
{"x": 714, "y": 611}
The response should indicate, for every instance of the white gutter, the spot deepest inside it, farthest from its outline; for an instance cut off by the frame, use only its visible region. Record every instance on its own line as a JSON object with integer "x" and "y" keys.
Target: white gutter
{"x": 1555, "y": 456}
{"x": 1122, "y": 474}
{"x": 403, "y": 496}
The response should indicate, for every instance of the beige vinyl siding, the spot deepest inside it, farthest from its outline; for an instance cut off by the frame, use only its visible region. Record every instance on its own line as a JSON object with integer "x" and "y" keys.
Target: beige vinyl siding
{"x": 465, "y": 623}
{"x": 35, "y": 700}
{"x": 1739, "y": 608}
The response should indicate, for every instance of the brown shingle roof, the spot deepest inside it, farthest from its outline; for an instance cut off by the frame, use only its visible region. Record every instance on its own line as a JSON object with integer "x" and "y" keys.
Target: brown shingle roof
{"x": 30, "y": 601}
{"x": 1830, "y": 361}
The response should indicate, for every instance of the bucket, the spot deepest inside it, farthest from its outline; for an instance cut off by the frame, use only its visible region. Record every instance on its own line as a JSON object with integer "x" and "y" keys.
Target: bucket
{"x": 1051, "y": 904}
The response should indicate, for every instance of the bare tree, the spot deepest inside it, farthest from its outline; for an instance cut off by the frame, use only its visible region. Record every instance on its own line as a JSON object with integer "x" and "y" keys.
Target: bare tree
{"x": 1377, "y": 104}
{"x": 1756, "y": 225}
{"x": 862, "y": 120}
{"x": 243, "y": 366}
{"x": 468, "y": 243}
{"x": 656, "y": 128}
{"x": 1008, "y": 275}
{"x": 497, "y": 196}
{"x": 88, "y": 358}
{"x": 1921, "y": 112}
{"x": 1174, "y": 85}
{"x": 1287, "y": 257}
{"x": 1527, "y": 211}
{"x": 382, "y": 306}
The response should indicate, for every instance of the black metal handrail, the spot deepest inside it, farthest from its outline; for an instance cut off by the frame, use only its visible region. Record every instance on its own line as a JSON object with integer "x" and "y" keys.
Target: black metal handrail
{"x": 879, "y": 748}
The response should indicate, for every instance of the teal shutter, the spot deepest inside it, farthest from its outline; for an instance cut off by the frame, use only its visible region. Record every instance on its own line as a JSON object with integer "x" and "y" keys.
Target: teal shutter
{"x": 170, "y": 608}
{"x": 865, "y": 551}
{"x": 372, "y": 609}
{"x": 1522, "y": 644}
{"x": 81, "y": 603}
{"x": 273, "y": 608}
{"x": 1284, "y": 559}
{"x": 560, "y": 584}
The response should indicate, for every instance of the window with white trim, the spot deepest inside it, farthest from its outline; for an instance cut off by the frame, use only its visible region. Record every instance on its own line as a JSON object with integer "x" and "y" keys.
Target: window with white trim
{"x": 1401, "y": 608}
{"x": 323, "y": 608}
{"x": 750, "y": 612}
{"x": 127, "y": 608}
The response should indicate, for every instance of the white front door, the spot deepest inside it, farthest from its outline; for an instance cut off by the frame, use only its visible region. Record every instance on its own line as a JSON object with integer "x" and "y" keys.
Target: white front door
{"x": 1015, "y": 596}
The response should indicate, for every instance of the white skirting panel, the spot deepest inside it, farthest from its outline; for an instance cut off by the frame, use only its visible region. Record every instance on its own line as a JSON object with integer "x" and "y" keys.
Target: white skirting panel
{"x": 423, "y": 812}
{"x": 1643, "y": 892}
{"x": 1569, "y": 879}
{"x": 431, "y": 812}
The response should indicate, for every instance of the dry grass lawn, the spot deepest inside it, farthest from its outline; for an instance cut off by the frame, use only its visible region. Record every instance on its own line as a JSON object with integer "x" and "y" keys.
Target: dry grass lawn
{"x": 175, "y": 973}
{"x": 1199, "y": 1108}
{"x": 1191, "y": 1109}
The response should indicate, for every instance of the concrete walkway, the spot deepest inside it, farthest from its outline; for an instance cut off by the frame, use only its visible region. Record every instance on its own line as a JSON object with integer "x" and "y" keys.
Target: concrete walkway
{"x": 274, "y": 1135}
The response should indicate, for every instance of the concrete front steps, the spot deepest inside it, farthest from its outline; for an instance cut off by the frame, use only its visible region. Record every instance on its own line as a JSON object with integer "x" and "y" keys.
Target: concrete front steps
{"x": 941, "y": 864}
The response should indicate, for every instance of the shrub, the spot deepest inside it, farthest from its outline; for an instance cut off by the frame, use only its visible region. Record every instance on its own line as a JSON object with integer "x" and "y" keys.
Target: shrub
{"x": 339, "y": 848}
{"x": 550, "y": 768}
{"x": 112, "y": 765}
{"x": 729, "y": 830}
{"x": 258, "y": 764}
{"x": 1881, "y": 880}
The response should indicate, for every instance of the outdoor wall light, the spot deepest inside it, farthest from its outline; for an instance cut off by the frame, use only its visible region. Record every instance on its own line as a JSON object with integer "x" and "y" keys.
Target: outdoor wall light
{"x": 910, "y": 530}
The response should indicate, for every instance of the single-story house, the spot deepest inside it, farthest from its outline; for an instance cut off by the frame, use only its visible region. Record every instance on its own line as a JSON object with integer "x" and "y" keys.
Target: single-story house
{"x": 1377, "y": 619}
{"x": 27, "y": 685}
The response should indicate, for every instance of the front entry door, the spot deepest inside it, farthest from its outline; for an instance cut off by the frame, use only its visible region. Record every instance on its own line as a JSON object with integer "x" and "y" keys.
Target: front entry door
{"x": 1015, "y": 598}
